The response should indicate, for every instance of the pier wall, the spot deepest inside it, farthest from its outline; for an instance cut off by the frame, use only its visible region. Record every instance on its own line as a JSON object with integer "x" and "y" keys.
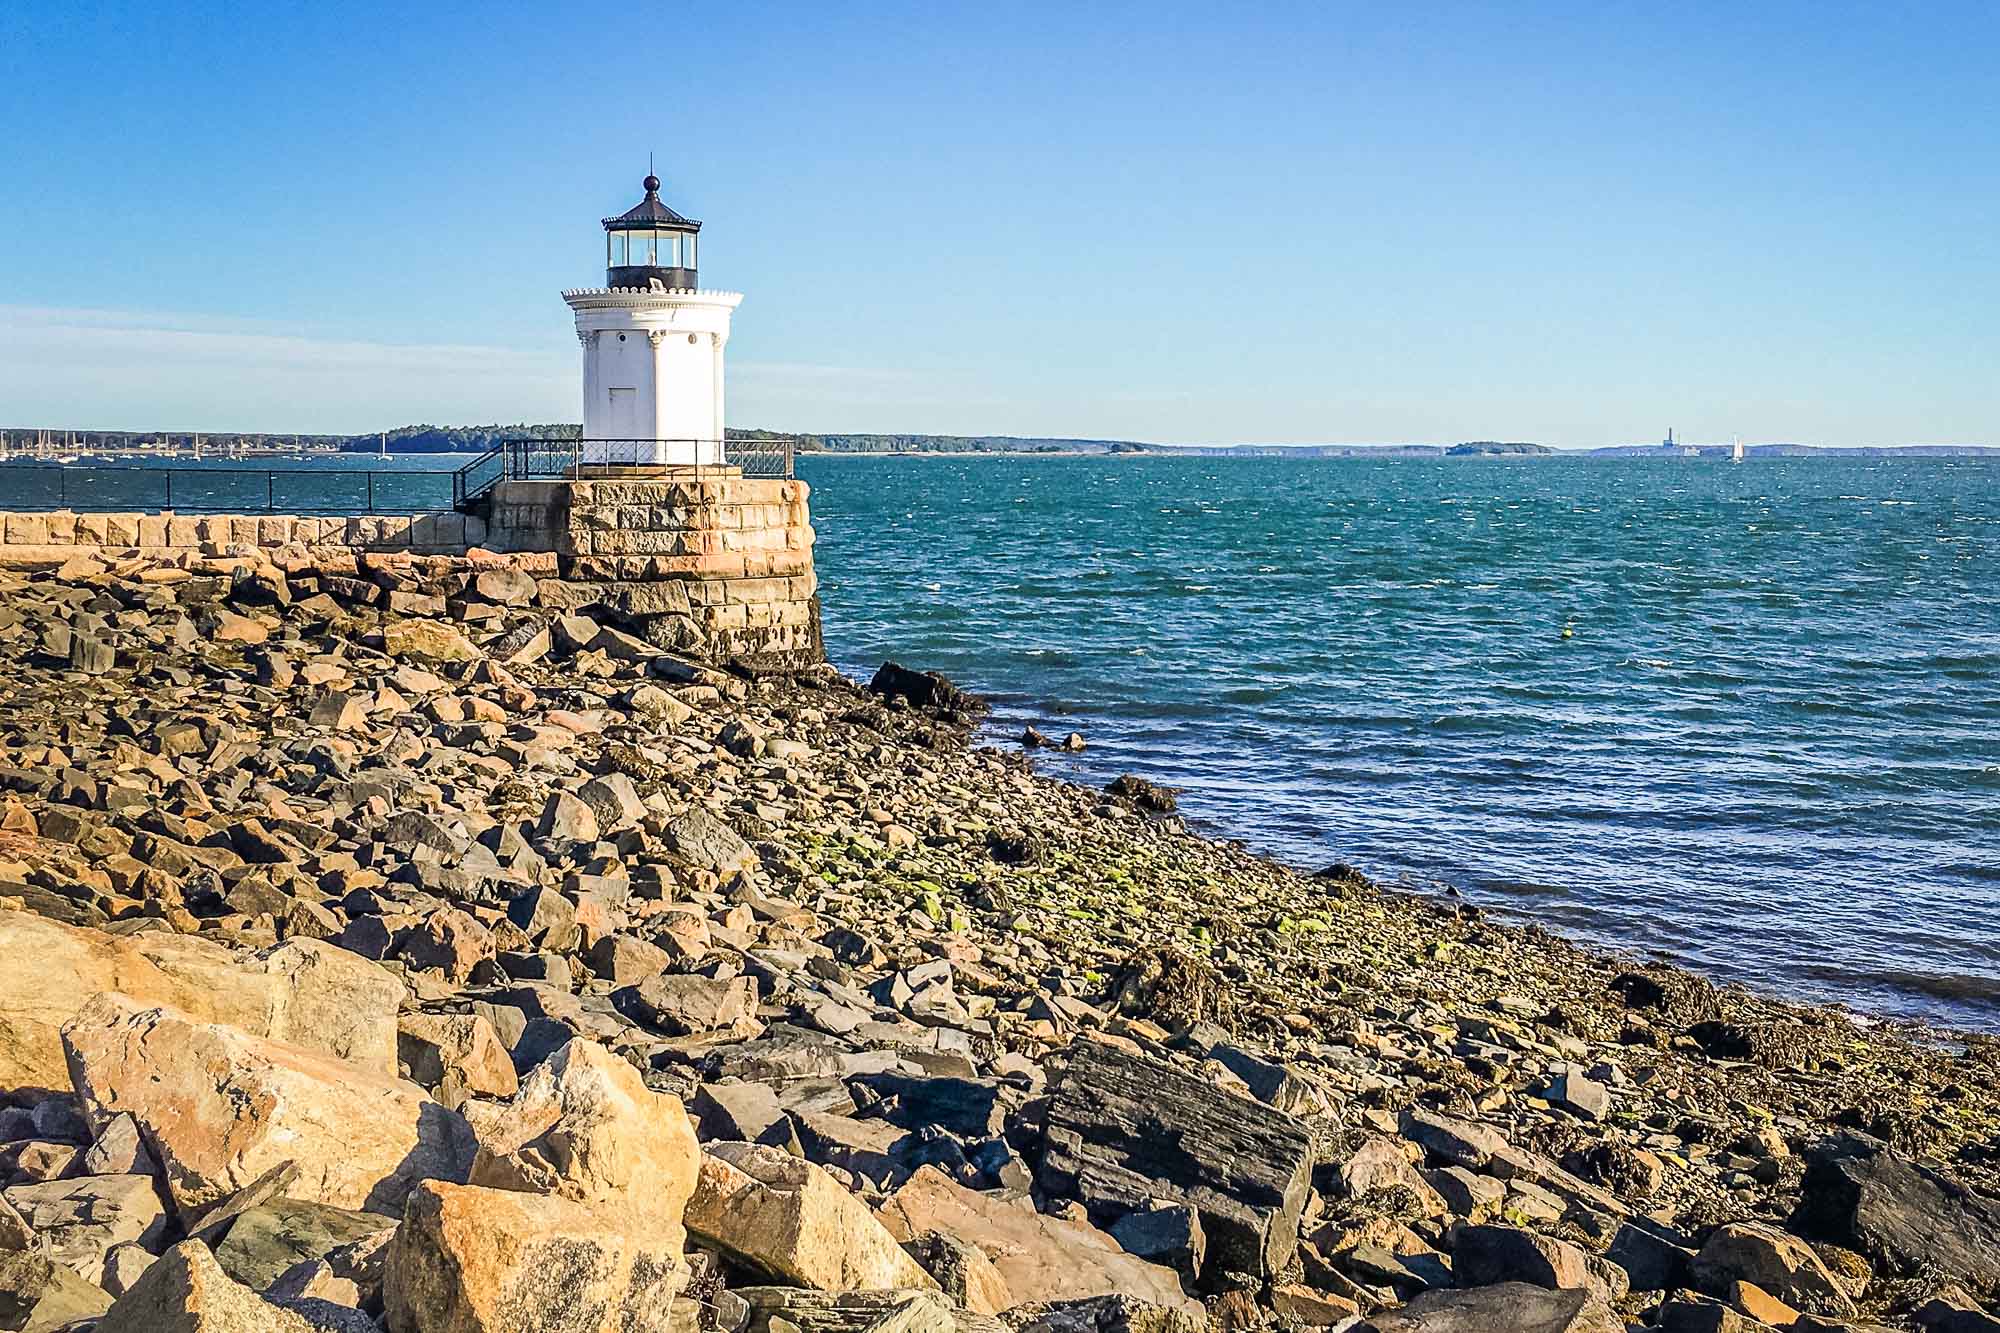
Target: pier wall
{"x": 713, "y": 566}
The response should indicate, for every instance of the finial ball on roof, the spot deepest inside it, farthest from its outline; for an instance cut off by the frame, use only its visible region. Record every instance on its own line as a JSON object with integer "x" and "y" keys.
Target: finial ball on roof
{"x": 652, "y": 184}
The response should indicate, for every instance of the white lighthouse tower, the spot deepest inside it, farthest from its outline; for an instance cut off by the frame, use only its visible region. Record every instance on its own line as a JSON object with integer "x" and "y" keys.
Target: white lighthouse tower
{"x": 652, "y": 345}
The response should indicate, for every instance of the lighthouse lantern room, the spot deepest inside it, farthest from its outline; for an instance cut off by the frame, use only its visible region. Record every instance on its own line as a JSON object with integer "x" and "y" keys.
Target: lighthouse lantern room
{"x": 652, "y": 345}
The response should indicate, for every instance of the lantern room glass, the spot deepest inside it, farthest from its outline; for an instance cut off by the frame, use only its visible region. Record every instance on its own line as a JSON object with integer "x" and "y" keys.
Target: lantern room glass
{"x": 649, "y": 248}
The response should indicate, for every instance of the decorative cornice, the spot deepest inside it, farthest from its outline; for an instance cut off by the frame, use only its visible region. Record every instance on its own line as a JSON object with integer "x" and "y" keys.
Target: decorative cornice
{"x": 700, "y": 293}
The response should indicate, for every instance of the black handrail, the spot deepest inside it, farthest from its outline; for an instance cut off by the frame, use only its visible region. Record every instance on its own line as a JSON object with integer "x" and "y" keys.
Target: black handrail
{"x": 115, "y": 488}
{"x": 571, "y": 456}
{"x": 215, "y": 490}
{"x": 470, "y": 483}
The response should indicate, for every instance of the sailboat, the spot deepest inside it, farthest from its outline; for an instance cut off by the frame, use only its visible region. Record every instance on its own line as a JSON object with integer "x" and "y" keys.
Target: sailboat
{"x": 1736, "y": 448}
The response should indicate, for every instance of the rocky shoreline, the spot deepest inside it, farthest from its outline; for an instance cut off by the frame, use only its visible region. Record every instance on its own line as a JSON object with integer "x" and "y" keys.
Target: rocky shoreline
{"x": 409, "y": 946}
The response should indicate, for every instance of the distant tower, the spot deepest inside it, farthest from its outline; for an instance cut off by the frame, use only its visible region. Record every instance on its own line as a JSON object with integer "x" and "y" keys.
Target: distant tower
{"x": 652, "y": 344}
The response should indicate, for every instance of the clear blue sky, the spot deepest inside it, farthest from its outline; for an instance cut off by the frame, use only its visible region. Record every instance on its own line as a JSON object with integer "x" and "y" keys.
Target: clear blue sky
{"x": 1578, "y": 224}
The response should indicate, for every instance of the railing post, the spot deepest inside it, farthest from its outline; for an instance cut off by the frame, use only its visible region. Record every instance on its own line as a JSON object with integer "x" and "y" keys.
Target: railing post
{"x": 170, "y": 488}
{"x": 371, "y": 490}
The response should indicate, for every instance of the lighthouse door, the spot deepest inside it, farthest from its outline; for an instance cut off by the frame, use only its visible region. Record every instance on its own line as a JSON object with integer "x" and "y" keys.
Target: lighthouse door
{"x": 623, "y": 418}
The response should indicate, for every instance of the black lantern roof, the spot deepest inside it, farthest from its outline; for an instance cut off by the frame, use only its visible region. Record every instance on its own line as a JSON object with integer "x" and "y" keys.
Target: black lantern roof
{"x": 650, "y": 212}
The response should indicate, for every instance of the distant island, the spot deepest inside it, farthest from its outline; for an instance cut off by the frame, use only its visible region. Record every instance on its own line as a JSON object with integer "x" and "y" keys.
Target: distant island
{"x": 434, "y": 439}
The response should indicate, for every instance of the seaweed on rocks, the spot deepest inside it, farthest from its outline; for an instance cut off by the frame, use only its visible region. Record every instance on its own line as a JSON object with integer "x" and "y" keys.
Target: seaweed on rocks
{"x": 1076, "y": 1048}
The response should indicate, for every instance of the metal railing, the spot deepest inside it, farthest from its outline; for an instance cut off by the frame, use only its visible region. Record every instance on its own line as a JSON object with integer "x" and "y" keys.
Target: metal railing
{"x": 569, "y": 458}
{"x": 211, "y": 490}
{"x": 310, "y": 490}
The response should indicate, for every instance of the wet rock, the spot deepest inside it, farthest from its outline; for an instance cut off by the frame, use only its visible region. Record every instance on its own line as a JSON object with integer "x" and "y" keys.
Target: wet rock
{"x": 1143, "y": 795}
{"x": 1774, "y": 1044}
{"x": 921, "y": 689}
{"x": 1171, "y": 988}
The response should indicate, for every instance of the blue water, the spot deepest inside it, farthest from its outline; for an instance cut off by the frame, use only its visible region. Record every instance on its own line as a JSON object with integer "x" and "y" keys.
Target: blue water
{"x": 1770, "y": 747}
{"x": 311, "y": 483}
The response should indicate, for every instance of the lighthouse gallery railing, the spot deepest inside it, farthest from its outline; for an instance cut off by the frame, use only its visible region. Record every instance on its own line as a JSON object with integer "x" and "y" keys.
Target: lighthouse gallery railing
{"x": 548, "y": 459}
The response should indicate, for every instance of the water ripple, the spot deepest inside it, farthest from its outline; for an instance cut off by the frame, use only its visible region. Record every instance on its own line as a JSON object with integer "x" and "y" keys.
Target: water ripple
{"x": 1769, "y": 746}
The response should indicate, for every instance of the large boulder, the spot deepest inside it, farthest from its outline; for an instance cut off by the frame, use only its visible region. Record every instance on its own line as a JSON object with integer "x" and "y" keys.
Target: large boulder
{"x": 1514, "y": 1307}
{"x": 1774, "y": 1260}
{"x": 1041, "y": 1258}
{"x": 304, "y": 992}
{"x": 221, "y": 1108}
{"x": 585, "y": 1127}
{"x": 1484, "y": 1255}
{"x": 1126, "y": 1129}
{"x": 473, "y": 1260}
{"x": 1859, "y": 1193}
{"x": 785, "y": 1217}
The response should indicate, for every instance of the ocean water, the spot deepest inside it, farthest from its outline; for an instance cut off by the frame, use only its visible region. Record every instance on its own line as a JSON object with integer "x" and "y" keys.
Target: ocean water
{"x": 1768, "y": 745}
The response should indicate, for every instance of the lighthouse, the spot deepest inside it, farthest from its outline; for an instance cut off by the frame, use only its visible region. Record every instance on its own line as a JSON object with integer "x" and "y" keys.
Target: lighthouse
{"x": 652, "y": 344}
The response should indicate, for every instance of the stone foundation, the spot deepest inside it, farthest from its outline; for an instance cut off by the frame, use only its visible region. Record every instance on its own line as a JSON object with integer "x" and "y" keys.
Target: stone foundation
{"x": 710, "y": 557}
{"x": 714, "y": 565}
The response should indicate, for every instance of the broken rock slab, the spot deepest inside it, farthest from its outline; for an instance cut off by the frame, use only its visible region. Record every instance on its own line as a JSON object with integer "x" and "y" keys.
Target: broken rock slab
{"x": 80, "y": 1221}
{"x": 788, "y": 1218}
{"x": 1041, "y": 1258}
{"x": 1125, "y": 1129}
{"x": 1861, "y": 1194}
{"x": 473, "y": 1260}
{"x": 222, "y": 1108}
